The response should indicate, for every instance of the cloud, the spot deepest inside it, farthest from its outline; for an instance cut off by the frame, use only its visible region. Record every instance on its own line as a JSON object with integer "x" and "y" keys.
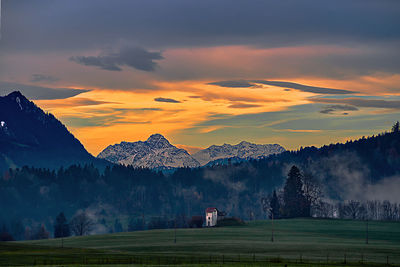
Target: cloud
{"x": 243, "y": 105}
{"x": 166, "y": 100}
{"x": 38, "y": 92}
{"x": 75, "y": 102}
{"x": 290, "y": 85}
{"x": 361, "y": 102}
{"x": 233, "y": 84}
{"x": 43, "y": 78}
{"x": 178, "y": 22}
{"x": 210, "y": 96}
{"x": 306, "y": 88}
{"x": 134, "y": 57}
{"x": 333, "y": 108}
{"x": 102, "y": 121}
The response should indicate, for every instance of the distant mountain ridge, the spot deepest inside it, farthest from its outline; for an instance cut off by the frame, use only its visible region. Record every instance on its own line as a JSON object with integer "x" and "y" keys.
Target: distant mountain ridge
{"x": 243, "y": 150}
{"x": 157, "y": 152}
{"x": 29, "y": 136}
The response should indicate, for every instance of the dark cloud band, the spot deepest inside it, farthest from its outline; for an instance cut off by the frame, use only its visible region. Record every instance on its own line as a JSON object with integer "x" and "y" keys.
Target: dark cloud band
{"x": 360, "y": 102}
{"x": 334, "y": 108}
{"x": 290, "y": 85}
{"x": 38, "y": 92}
{"x": 166, "y": 100}
{"x": 134, "y": 57}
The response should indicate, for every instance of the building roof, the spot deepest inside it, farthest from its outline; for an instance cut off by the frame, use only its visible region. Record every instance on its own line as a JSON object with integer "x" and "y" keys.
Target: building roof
{"x": 211, "y": 210}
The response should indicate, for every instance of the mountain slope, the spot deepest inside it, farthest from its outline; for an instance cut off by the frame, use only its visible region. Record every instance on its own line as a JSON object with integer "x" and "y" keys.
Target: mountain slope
{"x": 29, "y": 136}
{"x": 243, "y": 150}
{"x": 155, "y": 152}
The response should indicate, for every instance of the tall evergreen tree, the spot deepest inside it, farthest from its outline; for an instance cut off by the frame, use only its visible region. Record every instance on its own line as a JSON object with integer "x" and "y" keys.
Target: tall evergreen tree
{"x": 295, "y": 203}
{"x": 61, "y": 226}
{"x": 117, "y": 226}
{"x": 274, "y": 206}
{"x": 396, "y": 127}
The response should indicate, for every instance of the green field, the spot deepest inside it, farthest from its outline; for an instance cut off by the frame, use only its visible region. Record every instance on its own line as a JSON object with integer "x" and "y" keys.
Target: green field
{"x": 298, "y": 242}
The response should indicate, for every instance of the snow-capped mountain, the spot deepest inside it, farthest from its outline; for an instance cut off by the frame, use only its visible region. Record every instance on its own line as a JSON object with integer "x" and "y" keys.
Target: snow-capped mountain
{"x": 155, "y": 152}
{"x": 30, "y": 136}
{"x": 243, "y": 150}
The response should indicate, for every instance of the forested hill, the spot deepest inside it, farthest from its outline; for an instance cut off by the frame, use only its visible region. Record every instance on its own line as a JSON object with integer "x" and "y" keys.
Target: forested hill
{"x": 359, "y": 170}
{"x": 378, "y": 156}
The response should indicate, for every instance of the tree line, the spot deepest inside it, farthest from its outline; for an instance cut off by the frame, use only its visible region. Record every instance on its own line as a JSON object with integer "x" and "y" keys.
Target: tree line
{"x": 138, "y": 198}
{"x": 302, "y": 196}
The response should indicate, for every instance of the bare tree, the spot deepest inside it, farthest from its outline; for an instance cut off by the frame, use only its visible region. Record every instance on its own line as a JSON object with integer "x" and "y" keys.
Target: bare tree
{"x": 312, "y": 189}
{"x": 81, "y": 224}
{"x": 351, "y": 210}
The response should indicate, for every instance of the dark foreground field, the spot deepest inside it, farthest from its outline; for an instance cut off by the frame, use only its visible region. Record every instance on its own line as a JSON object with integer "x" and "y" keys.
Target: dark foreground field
{"x": 298, "y": 242}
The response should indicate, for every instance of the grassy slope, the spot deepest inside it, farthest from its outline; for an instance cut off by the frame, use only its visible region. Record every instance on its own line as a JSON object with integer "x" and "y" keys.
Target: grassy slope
{"x": 306, "y": 238}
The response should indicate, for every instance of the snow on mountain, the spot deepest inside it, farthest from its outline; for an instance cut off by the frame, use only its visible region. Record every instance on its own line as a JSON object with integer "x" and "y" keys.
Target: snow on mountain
{"x": 155, "y": 152}
{"x": 242, "y": 150}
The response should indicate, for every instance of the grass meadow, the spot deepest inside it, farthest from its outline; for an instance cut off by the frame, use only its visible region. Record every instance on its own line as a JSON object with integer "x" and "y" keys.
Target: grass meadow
{"x": 297, "y": 242}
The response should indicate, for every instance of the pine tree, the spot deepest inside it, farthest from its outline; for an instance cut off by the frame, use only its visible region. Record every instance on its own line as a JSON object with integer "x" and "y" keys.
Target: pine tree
{"x": 61, "y": 226}
{"x": 295, "y": 203}
{"x": 117, "y": 226}
{"x": 274, "y": 206}
{"x": 395, "y": 127}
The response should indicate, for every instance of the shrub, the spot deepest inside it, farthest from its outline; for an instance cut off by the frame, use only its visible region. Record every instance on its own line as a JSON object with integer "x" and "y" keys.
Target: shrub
{"x": 230, "y": 221}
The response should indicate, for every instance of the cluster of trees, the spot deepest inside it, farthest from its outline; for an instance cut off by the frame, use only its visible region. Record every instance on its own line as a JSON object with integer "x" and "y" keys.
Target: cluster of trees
{"x": 17, "y": 232}
{"x": 358, "y": 210}
{"x": 302, "y": 196}
{"x": 299, "y": 196}
{"x": 79, "y": 225}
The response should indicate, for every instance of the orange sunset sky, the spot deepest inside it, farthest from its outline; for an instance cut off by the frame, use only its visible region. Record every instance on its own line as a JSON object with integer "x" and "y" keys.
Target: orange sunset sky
{"x": 206, "y": 73}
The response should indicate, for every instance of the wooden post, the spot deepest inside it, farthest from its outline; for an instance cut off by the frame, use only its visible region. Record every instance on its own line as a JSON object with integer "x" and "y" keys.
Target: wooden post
{"x": 175, "y": 232}
{"x": 272, "y": 229}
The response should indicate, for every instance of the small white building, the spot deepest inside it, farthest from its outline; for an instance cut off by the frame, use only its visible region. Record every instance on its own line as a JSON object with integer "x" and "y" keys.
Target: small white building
{"x": 211, "y": 217}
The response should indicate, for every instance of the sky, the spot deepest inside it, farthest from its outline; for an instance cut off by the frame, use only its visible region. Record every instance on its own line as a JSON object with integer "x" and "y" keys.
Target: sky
{"x": 297, "y": 73}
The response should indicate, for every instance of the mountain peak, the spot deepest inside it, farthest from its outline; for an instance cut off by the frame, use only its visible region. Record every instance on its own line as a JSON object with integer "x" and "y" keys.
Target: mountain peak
{"x": 30, "y": 136}
{"x": 155, "y": 137}
{"x": 15, "y": 94}
{"x": 158, "y": 140}
{"x": 155, "y": 152}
